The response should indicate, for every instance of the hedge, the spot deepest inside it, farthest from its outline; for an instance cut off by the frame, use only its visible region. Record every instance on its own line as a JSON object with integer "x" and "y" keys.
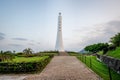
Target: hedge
{"x": 23, "y": 67}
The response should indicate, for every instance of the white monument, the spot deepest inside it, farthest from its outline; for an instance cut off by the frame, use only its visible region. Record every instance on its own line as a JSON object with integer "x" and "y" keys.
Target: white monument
{"x": 59, "y": 42}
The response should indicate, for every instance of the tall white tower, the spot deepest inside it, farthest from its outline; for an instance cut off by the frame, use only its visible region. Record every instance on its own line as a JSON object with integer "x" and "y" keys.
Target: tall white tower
{"x": 59, "y": 42}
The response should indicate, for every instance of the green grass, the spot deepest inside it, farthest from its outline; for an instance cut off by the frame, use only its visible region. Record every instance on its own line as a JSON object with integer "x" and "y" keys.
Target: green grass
{"x": 99, "y": 67}
{"x": 100, "y": 52}
{"x": 25, "y": 64}
{"x": 114, "y": 53}
{"x": 28, "y": 59}
{"x": 47, "y": 54}
{"x": 73, "y": 54}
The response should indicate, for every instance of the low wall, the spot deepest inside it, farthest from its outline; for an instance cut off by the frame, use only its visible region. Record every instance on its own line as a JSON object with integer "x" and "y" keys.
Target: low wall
{"x": 113, "y": 63}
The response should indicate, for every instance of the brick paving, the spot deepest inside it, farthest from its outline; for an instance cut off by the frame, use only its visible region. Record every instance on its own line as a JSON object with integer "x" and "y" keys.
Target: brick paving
{"x": 65, "y": 68}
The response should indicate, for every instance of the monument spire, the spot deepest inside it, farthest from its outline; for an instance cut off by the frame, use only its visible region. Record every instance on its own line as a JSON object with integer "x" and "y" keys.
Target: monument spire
{"x": 59, "y": 41}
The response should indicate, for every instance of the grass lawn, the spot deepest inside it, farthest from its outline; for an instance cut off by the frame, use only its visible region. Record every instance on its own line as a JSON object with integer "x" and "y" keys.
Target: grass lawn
{"x": 114, "y": 53}
{"x": 28, "y": 59}
{"x": 98, "y": 67}
{"x": 46, "y": 54}
{"x": 24, "y": 64}
{"x": 73, "y": 54}
{"x": 100, "y": 52}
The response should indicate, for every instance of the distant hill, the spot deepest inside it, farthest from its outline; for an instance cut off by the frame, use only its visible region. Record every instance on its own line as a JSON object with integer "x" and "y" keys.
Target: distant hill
{"x": 83, "y": 51}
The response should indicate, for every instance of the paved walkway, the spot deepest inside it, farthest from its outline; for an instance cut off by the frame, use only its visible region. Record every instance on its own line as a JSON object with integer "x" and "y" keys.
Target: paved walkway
{"x": 13, "y": 76}
{"x": 65, "y": 68}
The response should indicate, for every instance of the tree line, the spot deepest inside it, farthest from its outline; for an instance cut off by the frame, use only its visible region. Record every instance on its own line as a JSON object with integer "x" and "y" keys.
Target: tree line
{"x": 9, "y": 55}
{"x": 28, "y": 52}
{"x": 113, "y": 43}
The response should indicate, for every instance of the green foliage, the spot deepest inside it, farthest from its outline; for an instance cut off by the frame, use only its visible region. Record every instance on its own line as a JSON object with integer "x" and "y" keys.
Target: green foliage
{"x": 28, "y": 59}
{"x": 19, "y": 53}
{"x": 73, "y": 53}
{"x": 49, "y": 52}
{"x": 24, "y": 61}
{"x": 100, "y": 52}
{"x": 96, "y": 47}
{"x": 116, "y": 40}
{"x": 111, "y": 47}
{"x": 6, "y": 56}
{"x": 36, "y": 54}
{"x": 28, "y": 52}
{"x": 98, "y": 67}
{"x": 32, "y": 65}
{"x": 114, "y": 53}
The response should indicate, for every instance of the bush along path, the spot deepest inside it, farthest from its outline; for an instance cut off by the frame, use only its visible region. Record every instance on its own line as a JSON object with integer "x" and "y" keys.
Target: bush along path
{"x": 24, "y": 67}
{"x": 65, "y": 68}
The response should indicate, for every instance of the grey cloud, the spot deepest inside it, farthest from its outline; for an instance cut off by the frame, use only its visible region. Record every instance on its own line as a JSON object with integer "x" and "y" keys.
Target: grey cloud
{"x": 21, "y": 39}
{"x": 38, "y": 42}
{"x": 114, "y": 23}
{"x": 31, "y": 44}
{"x": 99, "y": 33}
{"x": 16, "y": 45}
{"x": 2, "y": 36}
{"x": 104, "y": 32}
{"x": 32, "y": 40}
{"x": 112, "y": 27}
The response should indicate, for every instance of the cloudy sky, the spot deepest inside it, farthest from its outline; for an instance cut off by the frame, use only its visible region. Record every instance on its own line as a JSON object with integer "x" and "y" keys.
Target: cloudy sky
{"x": 33, "y": 23}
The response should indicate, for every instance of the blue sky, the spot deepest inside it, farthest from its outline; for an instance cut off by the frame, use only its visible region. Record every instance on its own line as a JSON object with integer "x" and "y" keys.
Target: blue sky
{"x": 33, "y": 23}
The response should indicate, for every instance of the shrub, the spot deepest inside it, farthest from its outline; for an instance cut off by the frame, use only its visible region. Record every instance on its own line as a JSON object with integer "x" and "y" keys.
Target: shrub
{"x": 6, "y": 56}
{"x": 21, "y": 67}
{"x": 45, "y": 54}
{"x": 112, "y": 47}
{"x": 35, "y": 54}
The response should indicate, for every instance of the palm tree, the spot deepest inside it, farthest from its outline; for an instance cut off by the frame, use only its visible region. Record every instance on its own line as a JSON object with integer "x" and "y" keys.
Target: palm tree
{"x": 27, "y": 51}
{"x": 6, "y": 56}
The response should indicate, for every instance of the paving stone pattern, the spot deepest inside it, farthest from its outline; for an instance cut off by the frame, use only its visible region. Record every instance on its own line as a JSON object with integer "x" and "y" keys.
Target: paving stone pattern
{"x": 65, "y": 68}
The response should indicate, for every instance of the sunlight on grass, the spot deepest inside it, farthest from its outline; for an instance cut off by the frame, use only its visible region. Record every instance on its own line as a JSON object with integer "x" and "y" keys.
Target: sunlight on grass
{"x": 28, "y": 59}
{"x": 114, "y": 53}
